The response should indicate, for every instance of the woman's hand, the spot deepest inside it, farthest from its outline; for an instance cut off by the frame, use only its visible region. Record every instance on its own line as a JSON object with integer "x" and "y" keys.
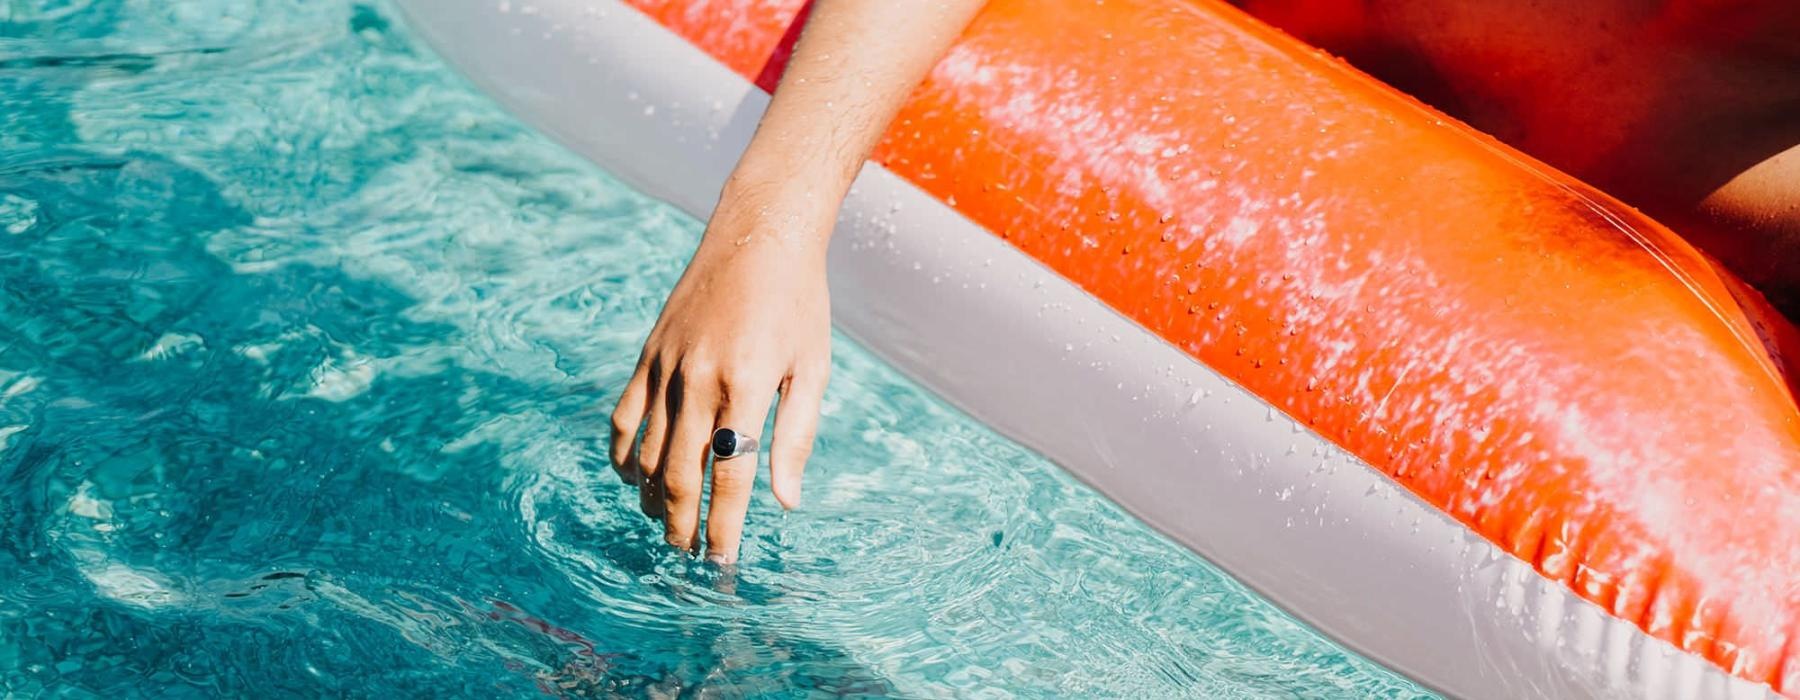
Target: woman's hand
{"x": 751, "y": 317}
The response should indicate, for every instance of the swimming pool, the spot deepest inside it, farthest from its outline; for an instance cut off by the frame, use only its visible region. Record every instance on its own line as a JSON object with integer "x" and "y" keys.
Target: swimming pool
{"x": 304, "y": 350}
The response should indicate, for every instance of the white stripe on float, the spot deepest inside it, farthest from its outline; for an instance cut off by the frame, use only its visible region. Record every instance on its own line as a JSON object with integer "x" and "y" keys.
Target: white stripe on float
{"x": 1307, "y": 525}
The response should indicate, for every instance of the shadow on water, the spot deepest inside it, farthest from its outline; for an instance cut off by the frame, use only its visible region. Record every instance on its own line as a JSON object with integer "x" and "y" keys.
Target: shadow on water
{"x": 212, "y": 480}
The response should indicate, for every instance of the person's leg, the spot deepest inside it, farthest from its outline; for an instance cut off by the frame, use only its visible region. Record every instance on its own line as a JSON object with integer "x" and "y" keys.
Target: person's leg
{"x": 1688, "y": 109}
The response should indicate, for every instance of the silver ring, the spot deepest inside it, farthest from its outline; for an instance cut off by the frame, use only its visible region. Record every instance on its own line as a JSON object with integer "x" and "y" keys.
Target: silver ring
{"x": 728, "y": 443}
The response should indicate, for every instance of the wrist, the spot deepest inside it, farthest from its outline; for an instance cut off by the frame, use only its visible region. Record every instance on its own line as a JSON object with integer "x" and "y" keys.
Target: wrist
{"x": 788, "y": 210}
{"x": 790, "y": 180}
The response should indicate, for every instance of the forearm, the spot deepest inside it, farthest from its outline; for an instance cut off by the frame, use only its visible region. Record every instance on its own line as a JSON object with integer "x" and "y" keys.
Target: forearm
{"x": 855, "y": 64}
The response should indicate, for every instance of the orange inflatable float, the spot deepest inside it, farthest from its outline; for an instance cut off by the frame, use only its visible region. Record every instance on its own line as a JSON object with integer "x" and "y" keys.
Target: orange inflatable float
{"x": 1591, "y": 429}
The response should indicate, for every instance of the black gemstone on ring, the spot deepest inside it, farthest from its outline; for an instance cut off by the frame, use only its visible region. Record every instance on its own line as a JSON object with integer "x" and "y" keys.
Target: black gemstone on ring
{"x": 724, "y": 442}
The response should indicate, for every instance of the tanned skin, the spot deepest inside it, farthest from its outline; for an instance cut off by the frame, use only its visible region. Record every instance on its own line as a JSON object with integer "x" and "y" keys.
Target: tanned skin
{"x": 751, "y": 316}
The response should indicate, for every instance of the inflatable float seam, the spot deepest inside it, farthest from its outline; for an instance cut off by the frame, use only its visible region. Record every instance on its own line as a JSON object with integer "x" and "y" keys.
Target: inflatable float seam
{"x": 1734, "y": 322}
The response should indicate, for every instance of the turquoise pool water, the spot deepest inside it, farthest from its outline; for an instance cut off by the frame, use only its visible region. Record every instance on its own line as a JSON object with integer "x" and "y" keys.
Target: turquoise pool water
{"x": 304, "y": 349}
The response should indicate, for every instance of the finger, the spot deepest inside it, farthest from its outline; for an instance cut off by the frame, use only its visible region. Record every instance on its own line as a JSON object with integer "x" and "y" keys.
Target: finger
{"x": 684, "y": 462}
{"x": 650, "y": 446}
{"x": 743, "y": 409}
{"x": 796, "y": 422}
{"x": 627, "y": 416}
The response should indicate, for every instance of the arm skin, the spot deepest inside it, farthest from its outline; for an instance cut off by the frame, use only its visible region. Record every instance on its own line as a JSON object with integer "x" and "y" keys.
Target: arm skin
{"x": 751, "y": 315}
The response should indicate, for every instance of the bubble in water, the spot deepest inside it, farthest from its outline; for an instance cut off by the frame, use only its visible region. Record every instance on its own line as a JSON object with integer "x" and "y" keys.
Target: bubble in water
{"x": 17, "y": 214}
